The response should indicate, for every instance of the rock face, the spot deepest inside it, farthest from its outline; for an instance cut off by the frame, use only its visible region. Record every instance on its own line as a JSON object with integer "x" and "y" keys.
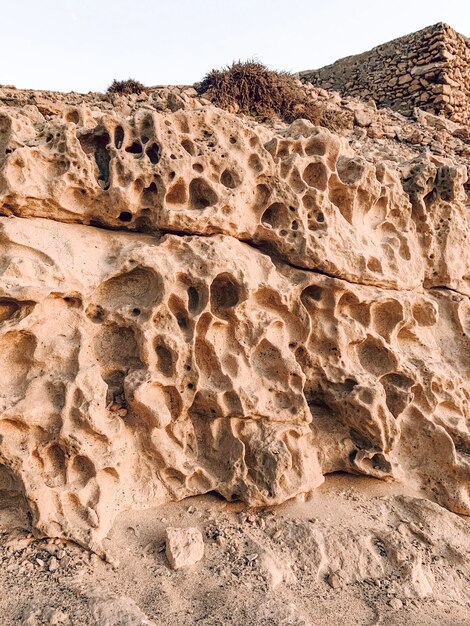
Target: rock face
{"x": 429, "y": 69}
{"x": 194, "y": 302}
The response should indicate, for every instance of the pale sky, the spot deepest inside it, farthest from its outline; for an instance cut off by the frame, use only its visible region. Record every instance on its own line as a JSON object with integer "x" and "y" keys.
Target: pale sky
{"x": 82, "y": 45}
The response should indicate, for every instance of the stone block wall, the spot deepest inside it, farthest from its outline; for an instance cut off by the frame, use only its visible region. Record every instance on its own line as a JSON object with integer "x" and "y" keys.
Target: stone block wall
{"x": 429, "y": 69}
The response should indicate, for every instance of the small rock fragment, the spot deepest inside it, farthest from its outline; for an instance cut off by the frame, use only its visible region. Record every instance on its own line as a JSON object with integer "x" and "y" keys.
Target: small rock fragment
{"x": 363, "y": 118}
{"x": 109, "y": 609}
{"x": 53, "y": 564}
{"x": 184, "y": 547}
{"x": 396, "y": 604}
{"x": 335, "y": 580}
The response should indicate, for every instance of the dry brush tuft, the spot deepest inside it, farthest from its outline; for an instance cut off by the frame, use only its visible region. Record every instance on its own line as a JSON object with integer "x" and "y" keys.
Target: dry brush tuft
{"x": 250, "y": 87}
{"x": 126, "y": 87}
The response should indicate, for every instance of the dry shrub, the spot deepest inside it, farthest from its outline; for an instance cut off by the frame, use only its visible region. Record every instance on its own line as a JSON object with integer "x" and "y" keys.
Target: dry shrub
{"x": 253, "y": 88}
{"x": 126, "y": 87}
{"x": 258, "y": 91}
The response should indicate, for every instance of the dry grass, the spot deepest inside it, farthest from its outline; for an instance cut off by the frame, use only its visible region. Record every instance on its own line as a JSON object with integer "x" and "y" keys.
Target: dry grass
{"x": 251, "y": 88}
{"x": 126, "y": 87}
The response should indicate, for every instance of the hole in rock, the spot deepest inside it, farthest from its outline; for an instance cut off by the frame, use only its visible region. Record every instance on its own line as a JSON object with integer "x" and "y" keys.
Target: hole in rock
{"x": 178, "y": 309}
{"x": 165, "y": 359}
{"x": 313, "y": 292}
{"x": 177, "y": 194}
{"x": 316, "y": 175}
{"x": 97, "y": 143}
{"x": 374, "y": 265}
{"x": 201, "y": 194}
{"x": 233, "y": 403}
{"x": 152, "y": 188}
{"x": 225, "y": 292}
{"x": 173, "y": 401}
{"x": 315, "y": 146}
{"x": 230, "y": 179}
{"x": 350, "y": 305}
{"x": 73, "y": 116}
{"x": 135, "y": 148}
{"x": 317, "y": 403}
{"x": 75, "y": 303}
{"x": 396, "y": 387}
{"x": 425, "y": 313}
{"x": 125, "y": 216}
{"x": 193, "y": 299}
{"x": 55, "y": 456}
{"x": 153, "y": 152}
{"x": 379, "y": 462}
{"x": 115, "y": 391}
{"x": 8, "y": 308}
{"x": 360, "y": 441}
{"x": 204, "y": 406}
{"x": 81, "y": 470}
{"x": 189, "y": 147}
{"x": 350, "y": 170}
{"x": 118, "y": 137}
{"x": 197, "y": 298}
{"x": 262, "y": 195}
{"x": 348, "y": 385}
{"x": 274, "y": 215}
{"x": 141, "y": 287}
{"x": 102, "y": 159}
{"x": 182, "y": 320}
{"x": 17, "y": 350}
{"x": 386, "y": 316}
{"x": 255, "y": 163}
{"x": 95, "y": 312}
{"x": 375, "y": 357}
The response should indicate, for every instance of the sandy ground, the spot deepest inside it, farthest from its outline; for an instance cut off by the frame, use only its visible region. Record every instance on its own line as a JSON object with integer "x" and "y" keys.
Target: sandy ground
{"x": 360, "y": 552}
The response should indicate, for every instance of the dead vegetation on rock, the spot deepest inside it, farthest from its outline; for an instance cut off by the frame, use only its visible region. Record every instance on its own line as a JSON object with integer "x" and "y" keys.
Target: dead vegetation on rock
{"x": 126, "y": 87}
{"x": 252, "y": 88}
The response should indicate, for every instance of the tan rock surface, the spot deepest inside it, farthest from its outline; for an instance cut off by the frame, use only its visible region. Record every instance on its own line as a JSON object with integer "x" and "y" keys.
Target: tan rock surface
{"x": 287, "y": 303}
{"x": 184, "y": 547}
{"x": 143, "y": 369}
{"x": 399, "y": 559}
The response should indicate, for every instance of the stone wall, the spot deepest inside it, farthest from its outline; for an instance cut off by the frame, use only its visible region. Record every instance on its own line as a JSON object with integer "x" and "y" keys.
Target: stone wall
{"x": 429, "y": 69}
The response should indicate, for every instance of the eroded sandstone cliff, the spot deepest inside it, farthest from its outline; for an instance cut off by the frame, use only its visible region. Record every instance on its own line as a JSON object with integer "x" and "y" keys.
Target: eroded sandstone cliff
{"x": 191, "y": 301}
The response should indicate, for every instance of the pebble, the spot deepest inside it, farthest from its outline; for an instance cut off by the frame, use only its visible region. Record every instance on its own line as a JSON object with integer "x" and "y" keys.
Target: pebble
{"x": 335, "y": 580}
{"x": 54, "y": 564}
{"x": 396, "y": 604}
{"x": 184, "y": 547}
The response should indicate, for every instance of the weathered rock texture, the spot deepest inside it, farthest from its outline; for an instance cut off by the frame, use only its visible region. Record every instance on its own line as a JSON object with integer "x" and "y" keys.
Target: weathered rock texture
{"x": 429, "y": 69}
{"x": 281, "y": 306}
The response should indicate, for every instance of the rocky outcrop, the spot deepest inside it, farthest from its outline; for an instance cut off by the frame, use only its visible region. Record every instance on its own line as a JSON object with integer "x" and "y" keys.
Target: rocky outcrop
{"x": 194, "y": 302}
{"x": 427, "y": 69}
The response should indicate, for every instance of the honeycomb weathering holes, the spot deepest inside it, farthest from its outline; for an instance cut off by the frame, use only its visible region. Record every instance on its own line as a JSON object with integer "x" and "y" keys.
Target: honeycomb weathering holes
{"x": 201, "y": 194}
{"x": 225, "y": 292}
